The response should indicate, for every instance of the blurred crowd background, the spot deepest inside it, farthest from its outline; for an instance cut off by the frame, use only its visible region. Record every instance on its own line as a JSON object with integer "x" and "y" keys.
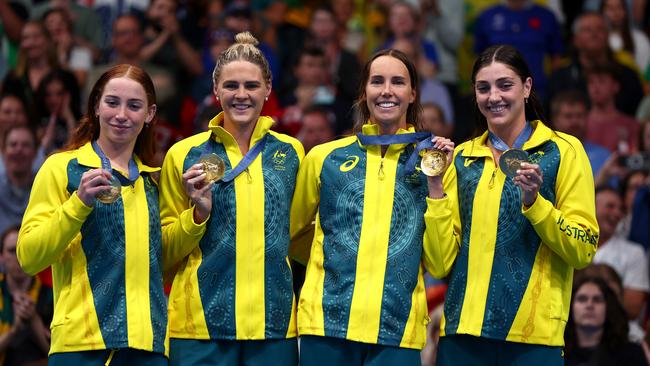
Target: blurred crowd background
{"x": 591, "y": 65}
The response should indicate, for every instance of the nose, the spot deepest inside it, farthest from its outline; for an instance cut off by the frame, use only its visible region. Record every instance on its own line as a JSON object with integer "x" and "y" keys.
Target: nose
{"x": 241, "y": 92}
{"x": 494, "y": 95}
{"x": 387, "y": 89}
{"x": 121, "y": 113}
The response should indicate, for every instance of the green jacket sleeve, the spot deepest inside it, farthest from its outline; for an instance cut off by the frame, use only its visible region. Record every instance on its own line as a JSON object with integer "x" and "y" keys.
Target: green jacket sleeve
{"x": 53, "y": 217}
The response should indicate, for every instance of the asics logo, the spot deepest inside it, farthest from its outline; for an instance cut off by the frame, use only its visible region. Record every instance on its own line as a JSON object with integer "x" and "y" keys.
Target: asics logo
{"x": 349, "y": 164}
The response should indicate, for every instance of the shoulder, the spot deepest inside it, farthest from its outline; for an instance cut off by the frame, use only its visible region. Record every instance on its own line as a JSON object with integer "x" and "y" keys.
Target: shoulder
{"x": 294, "y": 142}
{"x": 327, "y": 148}
{"x": 183, "y": 146}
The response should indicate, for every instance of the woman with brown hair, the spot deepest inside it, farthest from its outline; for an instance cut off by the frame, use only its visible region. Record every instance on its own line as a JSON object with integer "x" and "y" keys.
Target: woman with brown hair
{"x": 93, "y": 216}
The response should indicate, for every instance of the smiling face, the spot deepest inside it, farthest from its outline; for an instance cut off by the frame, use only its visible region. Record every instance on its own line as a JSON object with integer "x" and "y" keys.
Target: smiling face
{"x": 389, "y": 91}
{"x": 500, "y": 95}
{"x": 33, "y": 41}
{"x": 123, "y": 110}
{"x": 241, "y": 89}
{"x": 609, "y": 211}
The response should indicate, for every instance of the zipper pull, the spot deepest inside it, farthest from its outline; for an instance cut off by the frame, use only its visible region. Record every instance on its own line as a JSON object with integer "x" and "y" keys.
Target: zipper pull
{"x": 494, "y": 174}
{"x": 248, "y": 176}
{"x": 381, "y": 169}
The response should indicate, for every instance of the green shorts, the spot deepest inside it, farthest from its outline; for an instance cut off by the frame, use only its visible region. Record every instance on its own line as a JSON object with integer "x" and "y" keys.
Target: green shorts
{"x": 326, "y": 351}
{"x": 189, "y": 352}
{"x": 121, "y": 357}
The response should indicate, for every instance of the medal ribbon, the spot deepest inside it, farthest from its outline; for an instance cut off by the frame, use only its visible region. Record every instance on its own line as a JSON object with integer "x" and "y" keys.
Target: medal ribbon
{"x": 106, "y": 165}
{"x": 501, "y": 145}
{"x": 246, "y": 160}
{"x": 423, "y": 140}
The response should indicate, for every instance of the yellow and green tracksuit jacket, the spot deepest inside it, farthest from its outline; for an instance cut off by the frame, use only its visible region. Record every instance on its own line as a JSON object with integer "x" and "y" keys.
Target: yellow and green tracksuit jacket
{"x": 510, "y": 268}
{"x": 364, "y": 273}
{"x": 106, "y": 259}
{"x": 233, "y": 281}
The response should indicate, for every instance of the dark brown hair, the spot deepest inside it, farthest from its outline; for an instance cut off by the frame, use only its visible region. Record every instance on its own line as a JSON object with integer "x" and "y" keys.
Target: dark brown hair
{"x": 88, "y": 129}
{"x": 414, "y": 111}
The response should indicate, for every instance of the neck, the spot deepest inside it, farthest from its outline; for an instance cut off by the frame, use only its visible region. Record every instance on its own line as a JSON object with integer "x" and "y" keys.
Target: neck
{"x": 241, "y": 132}
{"x": 390, "y": 128}
{"x": 18, "y": 283}
{"x": 603, "y": 108}
{"x": 603, "y": 238}
{"x": 118, "y": 154}
{"x": 589, "y": 336}
{"x": 508, "y": 134}
{"x": 588, "y": 59}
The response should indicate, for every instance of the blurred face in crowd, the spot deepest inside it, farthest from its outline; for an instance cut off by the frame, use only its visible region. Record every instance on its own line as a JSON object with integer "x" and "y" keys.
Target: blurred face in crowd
{"x": 389, "y": 91}
{"x": 12, "y": 112}
{"x": 589, "y": 307}
{"x": 401, "y": 20}
{"x": 571, "y": 118}
{"x": 315, "y": 130}
{"x": 609, "y": 211}
{"x": 241, "y": 89}
{"x": 636, "y": 181}
{"x": 500, "y": 95}
{"x": 614, "y": 11}
{"x": 19, "y": 151}
{"x": 343, "y": 10}
{"x": 56, "y": 25}
{"x": 602, "y": 88}
{"x": 55, "y": 96}
{"x": 323, "y": 25}
{"x": 645, "y": 135}
{"x": 434, "y": 121}
{"x": 311, "y": 70}
{"x": 160, "y": 9}
{"x": 33, "y": 42}
{"x": 127, "y": 37}
{"x": 122, "y": 111}
{"x": 9, "y": 259}
{"x": 591, "y": 34}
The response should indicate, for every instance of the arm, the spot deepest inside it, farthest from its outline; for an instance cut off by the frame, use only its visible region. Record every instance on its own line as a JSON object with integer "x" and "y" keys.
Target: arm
{"x": 633, "y": 301}
{"x": 11, "y": 23}
{"x": 304, "y": 206}
{"x": 569, "y": 228}
{"x": 442, "y": 225}
{"x": 180, "y": 232}
{"x": 53, "y": 218}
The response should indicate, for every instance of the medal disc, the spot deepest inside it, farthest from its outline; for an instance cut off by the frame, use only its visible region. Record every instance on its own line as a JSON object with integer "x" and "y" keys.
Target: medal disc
{"x": 511, "y": 161}
{"x": 433, "y": 162}
{"x": 111, "y": 195}
{"x": 213, "y": 166}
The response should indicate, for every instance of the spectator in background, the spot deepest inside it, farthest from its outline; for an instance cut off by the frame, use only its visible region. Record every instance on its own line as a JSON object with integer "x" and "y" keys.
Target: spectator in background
{"x": 431, "y": 89}
{"x": 632, "y": 181}
{"x": 108, "y": 11}
{"x": 12, "y": 113}
{"x": 627, "y": 258}
{"x": 18, "y": 153}
{"x": 569, "y": 111}
{"x": 434, "y": 121}
{"x": 36, "y": 57}
{"x": 596, "y": 333}
{"x": 318, "y": 127}
{"x": 531, "y": 28}
{"x": 606, "y": 124}
{"x": 127, "y": 41}
{"x": 25, "y": 309}
{"x": 58, "y": 107}
{"x": 342, "y": 68}
{"x": 87, "y": 24}
{"x": 591, "y": 48}
{"x": 623, "y": 36}
{"x": 310, "y": 88}
{"x": 13, "y": 16}
{"x": 72, "y": 54}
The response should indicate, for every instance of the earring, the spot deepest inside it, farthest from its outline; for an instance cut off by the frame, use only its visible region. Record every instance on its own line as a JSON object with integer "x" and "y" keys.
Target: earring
{"x": 526, "y": 100}
{"x": 217, "y": 98}
{"x": 266, "y": 99}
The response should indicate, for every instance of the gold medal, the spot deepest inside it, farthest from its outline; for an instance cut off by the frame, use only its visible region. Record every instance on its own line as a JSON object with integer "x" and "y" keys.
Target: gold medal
{"x": 213, "y": 166}
{"x": 433, "y": 162}
{"x": 510, "y": 161}
{"x": 111, "y": 195}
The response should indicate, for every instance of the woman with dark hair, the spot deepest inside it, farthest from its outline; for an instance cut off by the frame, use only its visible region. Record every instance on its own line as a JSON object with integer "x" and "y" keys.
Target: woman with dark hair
{"x": 363, "y": 301}
{"x": 518, "y": 216}
{"x": 596, "y": 333}
{"x": 58, "y": 105}
{"x": 93, "y": 216}
{"x": 623, "y": 36}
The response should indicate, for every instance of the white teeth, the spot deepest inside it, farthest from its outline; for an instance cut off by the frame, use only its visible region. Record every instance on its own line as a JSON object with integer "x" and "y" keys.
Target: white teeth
{"x": 240, "y": 106}
{"x": 387, "y": 104}
{"x": 497, "y": 108}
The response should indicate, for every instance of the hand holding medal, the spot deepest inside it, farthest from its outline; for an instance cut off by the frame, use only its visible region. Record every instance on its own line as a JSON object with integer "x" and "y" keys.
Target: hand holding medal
{"x": 435, "y": 160}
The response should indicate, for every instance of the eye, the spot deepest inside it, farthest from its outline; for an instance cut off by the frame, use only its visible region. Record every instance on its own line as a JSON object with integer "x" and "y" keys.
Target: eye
{"x": 252, "y": 85}
{"x": 376, "y": 80}
{"x": 399, "y": 81}
{"x": 229, "y": 85}
{"x": 112, "y": 102}
{"x": 482, "y": 88}
{"x": 135, "y": 105}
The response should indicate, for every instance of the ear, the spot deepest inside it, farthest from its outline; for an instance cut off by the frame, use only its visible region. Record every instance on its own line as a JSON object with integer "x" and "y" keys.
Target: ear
{"x": 151, "y": 113}
{"x": 215, "y": 91}
{"x": 528, "y": 86}
{"x": 413, "y": 95}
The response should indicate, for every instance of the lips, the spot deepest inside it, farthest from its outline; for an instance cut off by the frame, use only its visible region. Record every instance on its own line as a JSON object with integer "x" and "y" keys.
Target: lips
{"x": 387, "y": 104}
{"x": 241, "y": 106}
{"x": 497, "y": 108}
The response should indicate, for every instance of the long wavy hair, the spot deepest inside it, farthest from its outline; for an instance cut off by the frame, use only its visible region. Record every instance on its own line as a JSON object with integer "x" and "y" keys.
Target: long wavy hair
{"x": 510, "y": 57}
{"x": 615, "y": 328}
{"x": 414, "y": 110}
{"x": 22, "y": 63}
{"x": 88, "y": 129}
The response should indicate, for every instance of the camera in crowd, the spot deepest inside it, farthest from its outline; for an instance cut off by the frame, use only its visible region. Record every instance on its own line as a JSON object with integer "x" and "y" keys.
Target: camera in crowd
{"x": 638, "y": 161}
